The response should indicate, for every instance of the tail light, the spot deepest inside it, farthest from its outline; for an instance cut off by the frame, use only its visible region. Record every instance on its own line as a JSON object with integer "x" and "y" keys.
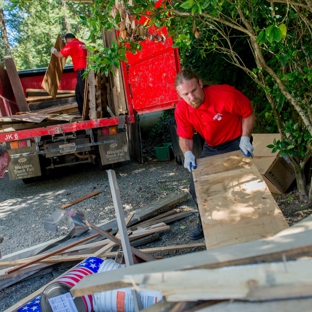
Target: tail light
{"x": 20, "y": 144}
{"x": 109, "y": 130}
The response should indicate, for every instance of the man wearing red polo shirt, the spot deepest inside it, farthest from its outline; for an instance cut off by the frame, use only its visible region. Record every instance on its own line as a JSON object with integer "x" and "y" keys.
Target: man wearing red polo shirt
{"x": 222, "y": 115}
{"x": 77, "y": 51}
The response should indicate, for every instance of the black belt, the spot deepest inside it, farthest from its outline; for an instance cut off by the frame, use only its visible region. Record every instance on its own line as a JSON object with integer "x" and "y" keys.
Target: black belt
{"x": 79, "y": 70}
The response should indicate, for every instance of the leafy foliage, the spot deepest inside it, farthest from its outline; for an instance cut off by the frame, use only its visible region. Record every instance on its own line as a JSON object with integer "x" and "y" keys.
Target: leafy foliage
{"x": 33, "y": 27}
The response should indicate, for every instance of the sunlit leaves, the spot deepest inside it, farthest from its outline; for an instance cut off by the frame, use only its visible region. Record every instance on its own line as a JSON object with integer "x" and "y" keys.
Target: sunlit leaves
{"x": 283, "y": 30}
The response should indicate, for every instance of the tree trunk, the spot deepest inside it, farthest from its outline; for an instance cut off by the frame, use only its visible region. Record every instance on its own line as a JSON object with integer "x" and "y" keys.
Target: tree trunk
{"x": 4, "y": 33}
{"x": 301, "y": 180}
{"x": 66, "y": 20}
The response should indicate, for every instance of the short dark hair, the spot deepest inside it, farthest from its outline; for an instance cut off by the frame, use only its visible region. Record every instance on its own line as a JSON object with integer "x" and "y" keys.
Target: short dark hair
{"x": 69, "y": 35}
{"x": 3, "y": 150}
{"x": 185, "y": 75}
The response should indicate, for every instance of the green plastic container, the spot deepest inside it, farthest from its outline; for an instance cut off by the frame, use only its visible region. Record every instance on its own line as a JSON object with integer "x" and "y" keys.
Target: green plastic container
{"x": 163, "y": 151}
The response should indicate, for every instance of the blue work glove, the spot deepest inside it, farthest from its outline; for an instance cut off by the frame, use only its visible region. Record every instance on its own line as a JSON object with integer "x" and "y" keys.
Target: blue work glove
{"x": 189, "y": 161}
{"x": 245, "y": 146}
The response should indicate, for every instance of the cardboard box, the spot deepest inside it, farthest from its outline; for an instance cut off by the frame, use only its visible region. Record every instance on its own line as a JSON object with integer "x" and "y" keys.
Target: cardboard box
{"x": 277, "y": 171}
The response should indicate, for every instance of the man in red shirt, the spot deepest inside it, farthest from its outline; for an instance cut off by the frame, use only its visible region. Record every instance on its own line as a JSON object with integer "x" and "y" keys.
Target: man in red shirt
{"x": 77, "y": 51}
{"x": 222, "y": 115}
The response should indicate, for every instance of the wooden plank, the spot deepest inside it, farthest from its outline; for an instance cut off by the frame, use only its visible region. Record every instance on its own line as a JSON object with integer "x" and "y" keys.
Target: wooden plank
{"x": 52, "y": 77}
{"x": 16, "y": 84}
{"x": 302, "y": 305}
{"x": 116, "y": 82}
{"x": 268, "y": 281}
{"x": 159, "y": 206}
{"x": 34, "y": 99}
{"x": 28, "y": 117}
{"x": 51, "y": 103}
{"x": 59, "y": 109}
{"x": 266, "y": 250}
{"x": 76, "y": 201}
{"x": 301, "y": 226}
{"x": 92, "y": 103}
{"x": 41, "y": 92}
{"x": 47, "y": 255}
{"x": 116, "y": 240}
{"x": 234, "y": 202}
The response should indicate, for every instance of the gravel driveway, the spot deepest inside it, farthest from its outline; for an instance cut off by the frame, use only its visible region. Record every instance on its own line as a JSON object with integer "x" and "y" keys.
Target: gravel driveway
{"x": 23, "y": 207}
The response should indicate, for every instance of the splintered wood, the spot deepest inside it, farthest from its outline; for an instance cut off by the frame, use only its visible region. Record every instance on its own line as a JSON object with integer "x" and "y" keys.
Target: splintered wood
{"x": 234, "y": 202}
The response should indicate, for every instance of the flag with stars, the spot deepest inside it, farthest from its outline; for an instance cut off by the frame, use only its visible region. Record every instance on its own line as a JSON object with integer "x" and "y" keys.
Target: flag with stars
{"x": 71, "y": 278}
{"x": 89, "y": 266}
{"x": 31, "y": 306}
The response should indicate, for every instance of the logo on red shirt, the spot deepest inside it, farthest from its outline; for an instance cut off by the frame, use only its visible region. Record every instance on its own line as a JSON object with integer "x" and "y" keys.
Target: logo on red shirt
{"x": 218, "y": 117}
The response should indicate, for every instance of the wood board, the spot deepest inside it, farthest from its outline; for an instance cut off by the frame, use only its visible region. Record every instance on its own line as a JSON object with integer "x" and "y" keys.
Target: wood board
{"x": 266, "y": 250}
{"x": 52, "y": 77}
{"x": 16, "y": 84}
{"x": 234, "y": 202}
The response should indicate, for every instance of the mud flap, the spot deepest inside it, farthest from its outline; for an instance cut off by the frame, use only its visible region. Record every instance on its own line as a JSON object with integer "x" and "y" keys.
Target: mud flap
{"x": 114, "y": 148}
{"x": 24, "y": 167}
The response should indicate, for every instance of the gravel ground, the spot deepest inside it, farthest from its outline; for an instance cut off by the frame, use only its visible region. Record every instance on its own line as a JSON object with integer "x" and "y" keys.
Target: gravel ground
{"x": 23, "y": 207}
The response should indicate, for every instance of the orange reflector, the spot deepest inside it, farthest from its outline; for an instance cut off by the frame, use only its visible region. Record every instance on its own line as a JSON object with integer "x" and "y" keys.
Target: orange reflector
{"x": 112, "y": 130}
{"x": 14, "y": 144}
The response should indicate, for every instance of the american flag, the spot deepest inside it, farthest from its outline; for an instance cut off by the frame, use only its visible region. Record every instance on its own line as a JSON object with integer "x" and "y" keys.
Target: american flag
{"x": 89, "y": 266}
{"x": 31, "y": 306}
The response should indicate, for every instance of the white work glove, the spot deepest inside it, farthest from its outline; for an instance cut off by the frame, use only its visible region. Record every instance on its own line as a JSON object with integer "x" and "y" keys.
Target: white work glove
{"x": 245, "y": 146}
{"x": 189, "y": 161}
{"x": 53, "y": 50}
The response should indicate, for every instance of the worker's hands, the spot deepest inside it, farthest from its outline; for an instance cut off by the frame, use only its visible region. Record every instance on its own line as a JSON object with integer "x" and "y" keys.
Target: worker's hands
{"x": 189, "y": 161}
{"x": 53, "y": 50}
{"x": 245, "y": 146}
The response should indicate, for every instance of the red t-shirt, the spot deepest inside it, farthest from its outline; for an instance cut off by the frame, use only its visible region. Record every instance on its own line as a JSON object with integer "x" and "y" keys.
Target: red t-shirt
{"x": 77, "y": 51}
{"x": 218, "y": 119}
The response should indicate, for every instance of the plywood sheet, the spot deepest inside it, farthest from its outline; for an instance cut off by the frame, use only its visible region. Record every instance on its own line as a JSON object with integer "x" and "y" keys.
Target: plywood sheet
{"x": 52, "y": 77}
{"x": 234, "y": 202}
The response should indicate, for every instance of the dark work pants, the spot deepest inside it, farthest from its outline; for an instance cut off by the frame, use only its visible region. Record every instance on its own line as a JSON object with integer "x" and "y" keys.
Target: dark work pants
{"x": 208, "y": 151}
{"x": 79, "y": 92}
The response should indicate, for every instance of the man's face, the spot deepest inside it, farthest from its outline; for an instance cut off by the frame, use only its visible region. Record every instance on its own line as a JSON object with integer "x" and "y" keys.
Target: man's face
{"x": 191, "y": 92}
{"x": 4, "y": 164}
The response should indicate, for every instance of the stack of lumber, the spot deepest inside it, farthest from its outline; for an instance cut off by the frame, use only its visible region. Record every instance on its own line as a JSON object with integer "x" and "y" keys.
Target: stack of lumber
{"x": 39, "y": 99}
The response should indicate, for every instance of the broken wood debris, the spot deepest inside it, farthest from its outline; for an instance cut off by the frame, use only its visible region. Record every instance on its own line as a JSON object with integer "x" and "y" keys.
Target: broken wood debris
{"x": 100, "y": 249}
{"x": 76, "y": 201}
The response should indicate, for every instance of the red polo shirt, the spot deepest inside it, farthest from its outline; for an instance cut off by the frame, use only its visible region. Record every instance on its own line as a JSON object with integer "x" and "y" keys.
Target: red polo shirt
{"x": 77, "y": 51}
{"x": 218, "y": 119}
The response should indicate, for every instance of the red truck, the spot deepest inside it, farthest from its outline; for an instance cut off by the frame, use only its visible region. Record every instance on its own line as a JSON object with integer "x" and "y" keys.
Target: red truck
{"x": 148, "y": 83}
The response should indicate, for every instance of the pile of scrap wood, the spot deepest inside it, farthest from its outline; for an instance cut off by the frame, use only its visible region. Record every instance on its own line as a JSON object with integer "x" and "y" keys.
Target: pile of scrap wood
{"x": 143, "y": 227}
{"x": 263, "y": 275}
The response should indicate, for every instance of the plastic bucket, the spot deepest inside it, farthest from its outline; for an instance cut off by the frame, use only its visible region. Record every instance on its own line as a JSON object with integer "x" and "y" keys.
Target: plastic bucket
{"x": 120, "y": 300}
{"x": 163, "y": 151}
{"x": 63, "y": 285}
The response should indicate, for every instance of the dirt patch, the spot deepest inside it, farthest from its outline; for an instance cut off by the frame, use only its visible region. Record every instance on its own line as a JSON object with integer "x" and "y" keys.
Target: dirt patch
{"x": 292, "y": 207}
